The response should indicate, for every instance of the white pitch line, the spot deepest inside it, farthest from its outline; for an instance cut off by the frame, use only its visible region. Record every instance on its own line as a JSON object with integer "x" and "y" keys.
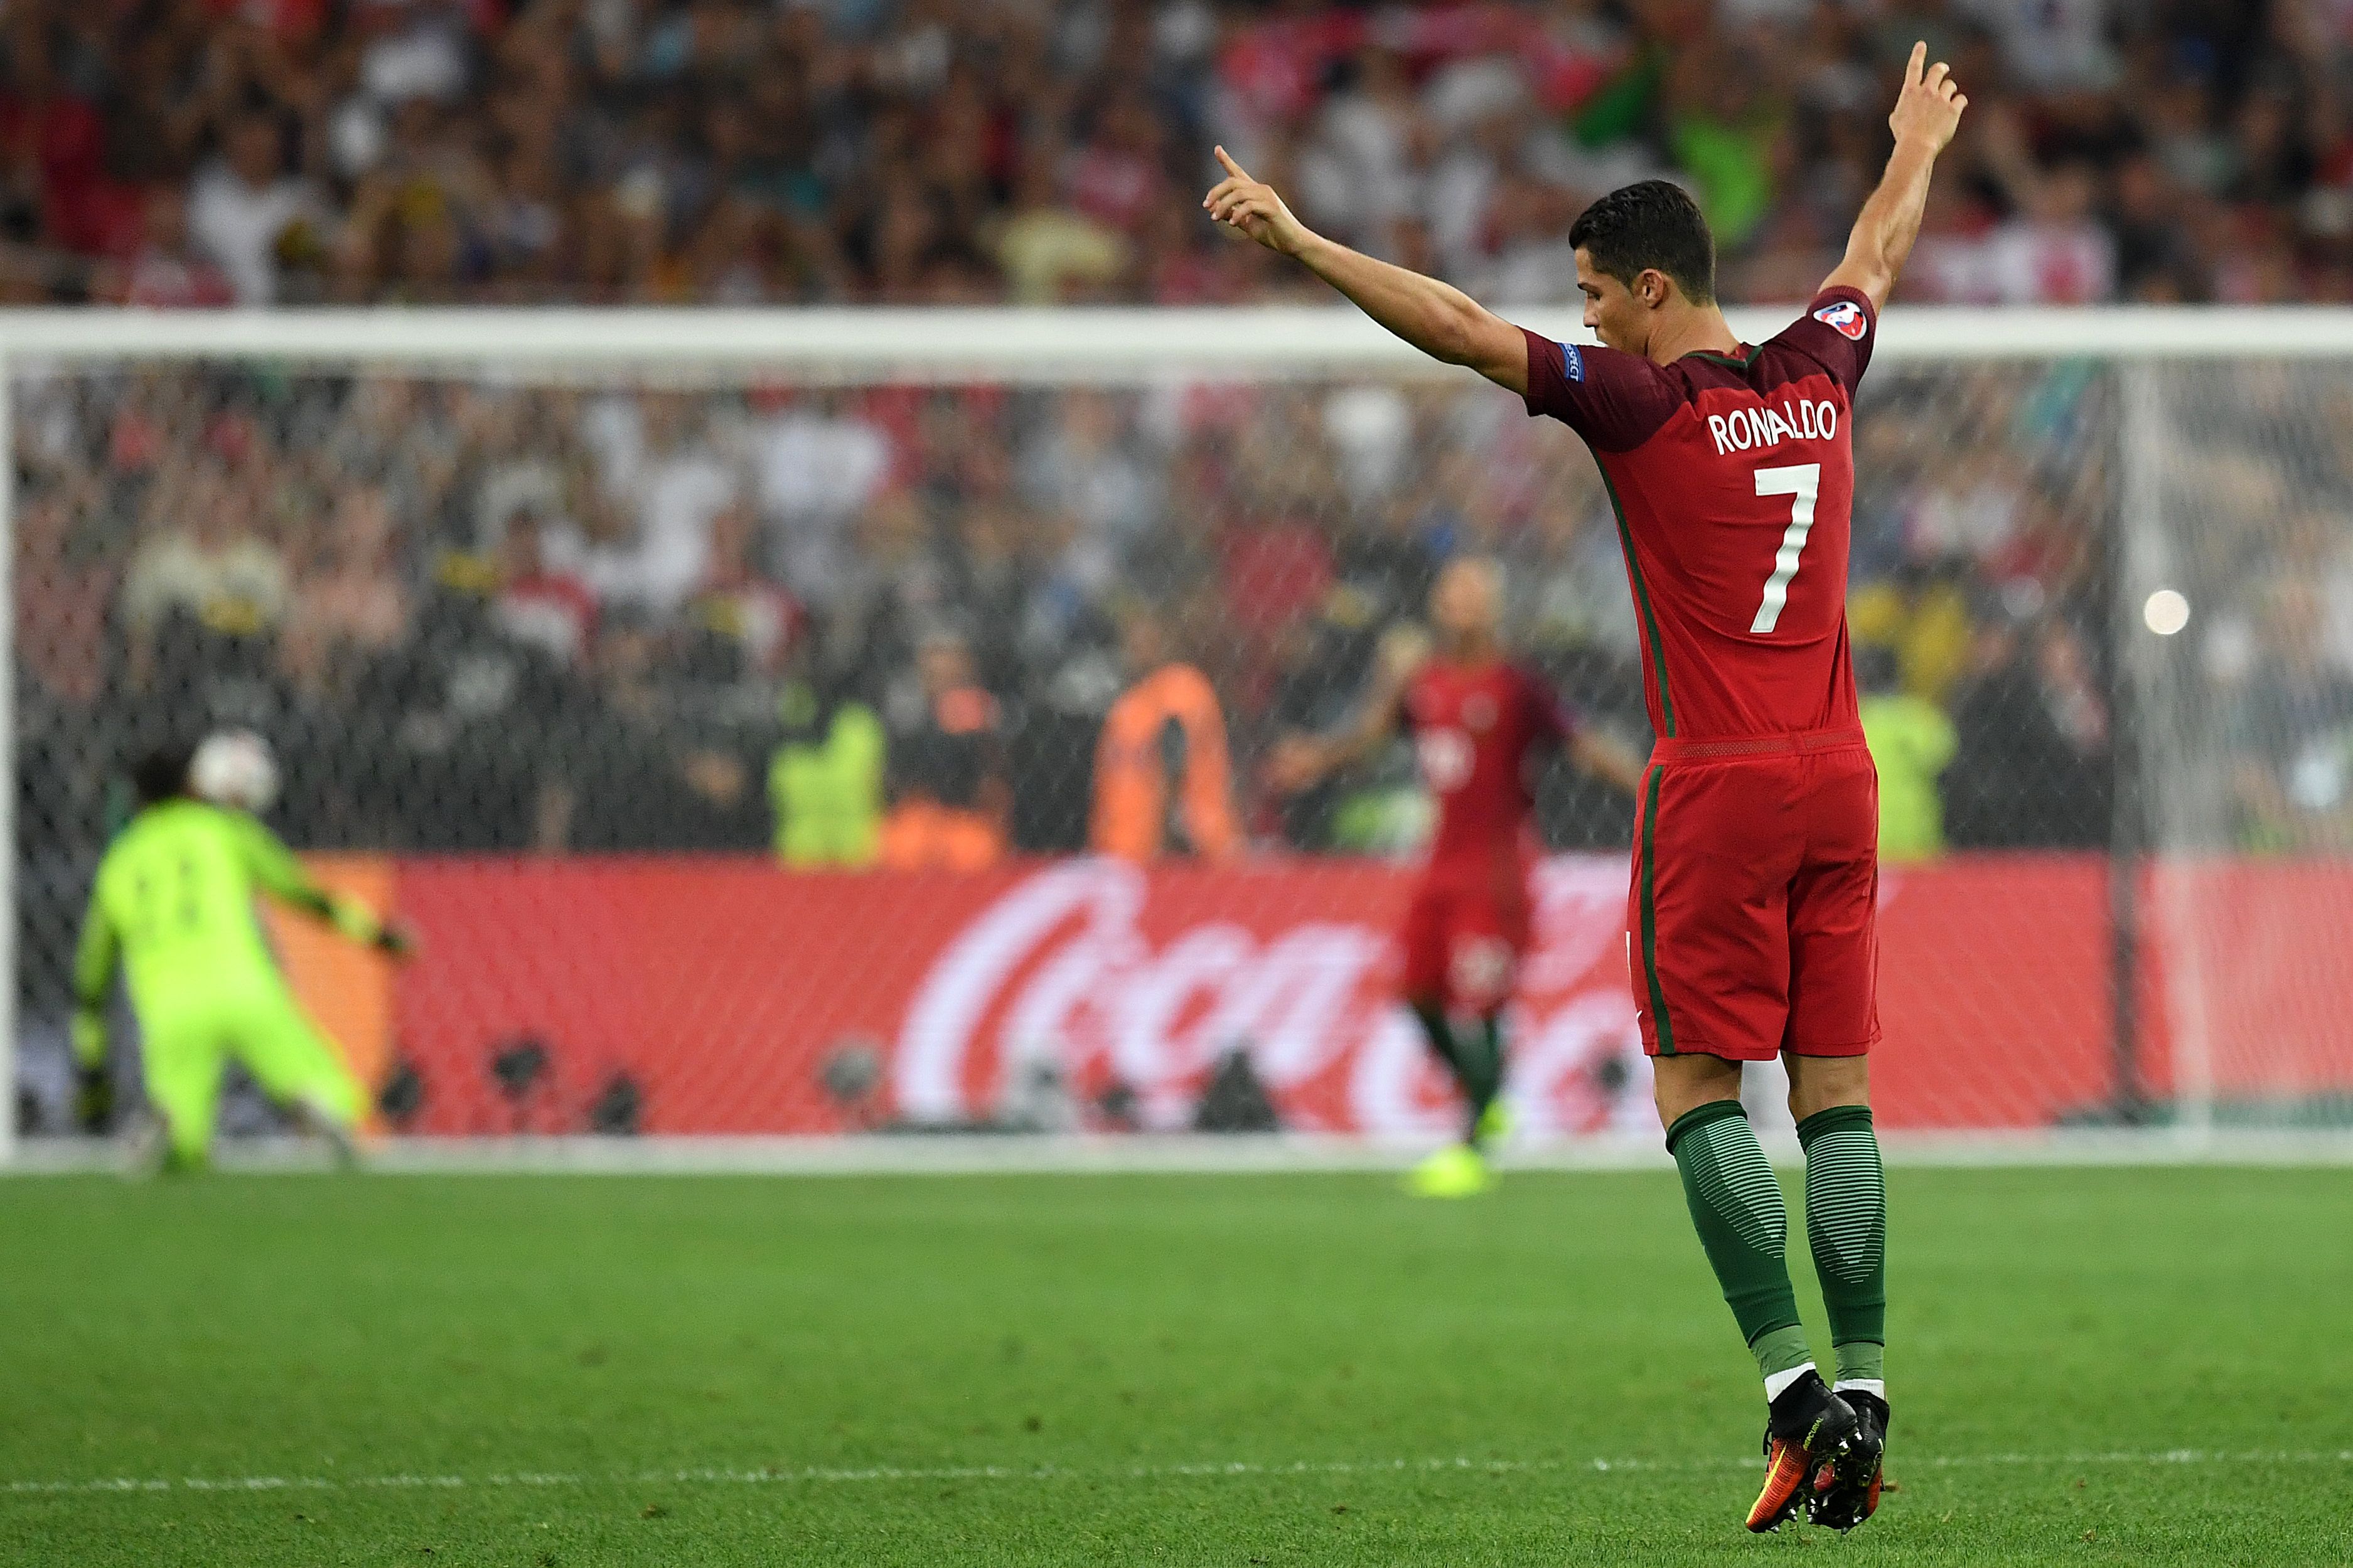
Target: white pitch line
{"x": 826, "y": 1475}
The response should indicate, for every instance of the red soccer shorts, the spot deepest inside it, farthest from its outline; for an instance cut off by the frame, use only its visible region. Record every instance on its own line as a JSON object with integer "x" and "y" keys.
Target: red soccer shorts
{"x": 1463, "y": 936}
{"x": 1751, "y": 921}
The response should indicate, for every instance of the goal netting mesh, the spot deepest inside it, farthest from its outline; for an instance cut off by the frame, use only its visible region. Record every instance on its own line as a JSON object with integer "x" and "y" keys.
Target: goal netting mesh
{"x": 874, "y": 739}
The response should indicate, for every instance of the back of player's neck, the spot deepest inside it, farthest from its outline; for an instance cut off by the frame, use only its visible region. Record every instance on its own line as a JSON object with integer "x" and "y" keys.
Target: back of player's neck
{"x": 1695, "y": 329}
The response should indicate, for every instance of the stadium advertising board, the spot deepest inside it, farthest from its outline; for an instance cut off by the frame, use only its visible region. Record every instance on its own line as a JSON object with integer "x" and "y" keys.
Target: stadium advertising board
{"x": 723, "y": 988}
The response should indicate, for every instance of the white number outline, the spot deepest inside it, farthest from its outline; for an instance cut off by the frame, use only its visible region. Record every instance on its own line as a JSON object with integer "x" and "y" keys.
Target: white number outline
{"x": 1802, "y": 483}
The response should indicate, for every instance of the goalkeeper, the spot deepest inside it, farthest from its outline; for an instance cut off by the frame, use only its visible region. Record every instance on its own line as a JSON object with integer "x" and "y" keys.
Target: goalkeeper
{"x": 174, "y": 905}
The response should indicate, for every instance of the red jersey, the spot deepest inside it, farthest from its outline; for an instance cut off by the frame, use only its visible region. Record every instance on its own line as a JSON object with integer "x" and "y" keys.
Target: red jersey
{"x": 1733, "y": 478}
{"x": 1473, "y": 727}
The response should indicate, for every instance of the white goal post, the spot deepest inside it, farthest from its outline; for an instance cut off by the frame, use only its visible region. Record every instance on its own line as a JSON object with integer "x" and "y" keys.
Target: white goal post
{"x": 2226, "y": 921}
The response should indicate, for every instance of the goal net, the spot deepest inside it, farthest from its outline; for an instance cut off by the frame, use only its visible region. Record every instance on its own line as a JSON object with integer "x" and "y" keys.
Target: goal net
{"x": 842, "y": 724}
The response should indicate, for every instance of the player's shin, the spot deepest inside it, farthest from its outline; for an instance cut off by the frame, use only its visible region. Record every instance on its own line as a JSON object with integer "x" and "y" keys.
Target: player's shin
{"x": 1439, "y": 1030}
{"x": 1743, "y": 1227}
{"x": 1846, "y": 1223}
{"x": 1484, "y": 1082}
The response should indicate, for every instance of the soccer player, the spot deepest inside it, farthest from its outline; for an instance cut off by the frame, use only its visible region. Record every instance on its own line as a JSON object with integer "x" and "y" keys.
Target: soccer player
{"x": 174, "y": 906}
{"x": 1750, "y": 920}
{"x": 1475, "y": 720}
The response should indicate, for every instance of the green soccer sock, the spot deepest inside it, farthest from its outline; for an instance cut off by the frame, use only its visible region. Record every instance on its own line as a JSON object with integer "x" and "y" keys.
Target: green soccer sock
{"x": 1439, "y": 1030}
{"x": 1477, "y": 1065}
{"x": 1846, "y": 1222}
{"x": 1743, "y": 1227}
{"x": 1482, "y": 1078}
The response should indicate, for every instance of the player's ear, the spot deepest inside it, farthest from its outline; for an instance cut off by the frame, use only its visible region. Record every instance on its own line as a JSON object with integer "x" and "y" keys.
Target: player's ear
{"x": 1652, "y": 287}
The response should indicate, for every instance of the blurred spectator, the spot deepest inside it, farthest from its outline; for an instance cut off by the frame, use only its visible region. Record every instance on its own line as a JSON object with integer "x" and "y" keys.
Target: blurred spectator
{"x": 539, "y": 604}
{"x": 350, "y": 607}
{"x": 950, "y": 796}
{"x": 1162, "y": 782}
{"x": 168, "y": 272}
{"x": 897, "y": 151}
{"x": 1912, "y": 742}
{"x": 2291, "y": 734}
{"x": 201, "y": 556}
{"x": 1088, "y": 466}
{"x": 737, "y": 602}
{"x": 2053, "y": 248}
{"x": 651, "y": 773}
{"x": 64, "y": 592}
{"x": 467, "y": 741}
{"x": 824, "y": 782}
{"x": 2033, "y": 766}
{"x": 815, "y": 465}
{"x": 1049, "y": 251}
{"x": 54, "y": 180}
{"x": 246, "y": 207}
{"x": 1922, "y": 614}
{"x": 434, "y": 589}
{"x": 658, "y": 453}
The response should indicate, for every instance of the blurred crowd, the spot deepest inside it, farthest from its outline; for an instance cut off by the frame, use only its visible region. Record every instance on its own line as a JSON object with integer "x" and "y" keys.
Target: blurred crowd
{"x": 179, "y": 153}
{"x": 936, "y": 626}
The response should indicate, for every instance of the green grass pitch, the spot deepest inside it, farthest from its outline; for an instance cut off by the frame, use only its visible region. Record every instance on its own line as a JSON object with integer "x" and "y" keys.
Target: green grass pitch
{"x": 2090, "y": 1366}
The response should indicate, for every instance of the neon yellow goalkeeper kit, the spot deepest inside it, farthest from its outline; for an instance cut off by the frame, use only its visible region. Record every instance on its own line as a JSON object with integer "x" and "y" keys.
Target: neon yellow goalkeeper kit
{"x": 174, "y": 906}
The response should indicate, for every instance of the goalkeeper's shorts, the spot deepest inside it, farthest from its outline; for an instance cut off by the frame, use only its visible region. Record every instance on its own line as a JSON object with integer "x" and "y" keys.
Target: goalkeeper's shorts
{"x": 186, "y": 1043}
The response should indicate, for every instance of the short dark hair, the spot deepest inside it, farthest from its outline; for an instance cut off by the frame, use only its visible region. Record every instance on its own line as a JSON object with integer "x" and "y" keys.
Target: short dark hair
{"x": 1652, "y": 224}
{"x": 161, "y": 774}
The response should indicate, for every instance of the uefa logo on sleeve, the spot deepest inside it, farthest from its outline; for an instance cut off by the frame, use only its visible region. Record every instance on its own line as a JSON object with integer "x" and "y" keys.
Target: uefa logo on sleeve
{"x": 1847, "y": 317}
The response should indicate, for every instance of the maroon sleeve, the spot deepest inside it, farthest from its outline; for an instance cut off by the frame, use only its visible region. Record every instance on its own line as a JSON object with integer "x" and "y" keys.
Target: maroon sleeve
{"x": 1836, "y": 332}
{"x": 1616, "y": 401}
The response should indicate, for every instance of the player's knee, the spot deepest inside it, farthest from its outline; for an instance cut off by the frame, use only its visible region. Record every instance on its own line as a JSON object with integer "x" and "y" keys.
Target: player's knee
{"x": 1681, "y": 1084}
{"x": 1818, "y": 1083}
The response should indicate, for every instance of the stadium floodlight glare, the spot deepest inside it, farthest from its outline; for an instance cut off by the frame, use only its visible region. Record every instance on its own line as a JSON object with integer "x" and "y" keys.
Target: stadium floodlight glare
{"x": 2166, "y": 612}
{"x": 2154, "y": 431}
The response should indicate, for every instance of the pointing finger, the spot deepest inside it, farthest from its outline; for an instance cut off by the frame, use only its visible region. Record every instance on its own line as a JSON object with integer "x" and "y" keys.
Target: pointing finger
{"x": 1911, "y": 69}
{"x": 1236, "y": 170}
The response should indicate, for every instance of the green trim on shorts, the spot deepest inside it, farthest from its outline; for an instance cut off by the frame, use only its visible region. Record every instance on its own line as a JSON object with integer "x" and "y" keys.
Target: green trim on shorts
{"x": 1651, "y": 917}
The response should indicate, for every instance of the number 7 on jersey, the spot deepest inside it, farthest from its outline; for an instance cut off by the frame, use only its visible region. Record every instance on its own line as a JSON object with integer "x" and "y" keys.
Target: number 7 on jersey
{"x": 1800, "y": 484}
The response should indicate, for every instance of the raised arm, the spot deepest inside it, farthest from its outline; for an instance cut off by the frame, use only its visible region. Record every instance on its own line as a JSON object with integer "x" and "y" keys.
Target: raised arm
{"x": 1608, "y": 758}
{"x": 1437, "y": 318}
{"x": 1298, "y": 761}
{"x": 1927, "y": 112}
{"x": 277, "y": 873}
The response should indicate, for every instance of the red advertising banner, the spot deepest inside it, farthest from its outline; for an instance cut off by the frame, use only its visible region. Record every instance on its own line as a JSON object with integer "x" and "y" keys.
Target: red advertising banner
{"x": 720, "y": 987}
{"x": 2245, "y": 970}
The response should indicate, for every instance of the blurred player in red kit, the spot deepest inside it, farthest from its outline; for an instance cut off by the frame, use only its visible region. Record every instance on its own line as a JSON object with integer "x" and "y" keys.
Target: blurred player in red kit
{"x": 1477, "y": 720}
{"x": 1751, "y": 906}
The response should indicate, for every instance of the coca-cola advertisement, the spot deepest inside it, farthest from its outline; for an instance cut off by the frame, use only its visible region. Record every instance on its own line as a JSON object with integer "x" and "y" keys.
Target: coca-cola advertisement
{"x": 728, "y": 995}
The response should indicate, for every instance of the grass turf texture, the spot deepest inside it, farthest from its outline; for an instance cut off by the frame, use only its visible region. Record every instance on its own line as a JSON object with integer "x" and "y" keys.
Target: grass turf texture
{"x": 566, "y": 1347}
